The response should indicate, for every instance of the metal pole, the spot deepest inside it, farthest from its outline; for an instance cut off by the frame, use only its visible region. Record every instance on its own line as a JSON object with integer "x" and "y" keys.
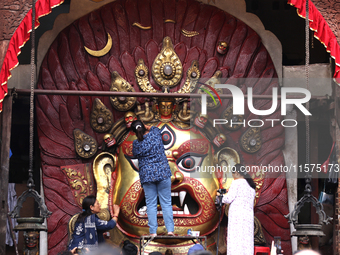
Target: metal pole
{"x": 144, "y": 94}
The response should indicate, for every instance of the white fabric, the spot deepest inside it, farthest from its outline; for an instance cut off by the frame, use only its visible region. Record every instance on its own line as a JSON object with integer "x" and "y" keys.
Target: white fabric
{"x": 12, "y": 201}
{"x": 240, "y": 218}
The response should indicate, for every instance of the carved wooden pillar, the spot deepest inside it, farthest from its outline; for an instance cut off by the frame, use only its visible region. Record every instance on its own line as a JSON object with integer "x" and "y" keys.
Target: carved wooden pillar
{"x": 6, "y": 123}
{"x": 336, "y": 238}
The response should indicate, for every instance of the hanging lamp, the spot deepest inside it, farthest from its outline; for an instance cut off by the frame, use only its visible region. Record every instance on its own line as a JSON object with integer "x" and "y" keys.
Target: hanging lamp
{"x": 31, "y": 223}
{"x": 308, "y": 229}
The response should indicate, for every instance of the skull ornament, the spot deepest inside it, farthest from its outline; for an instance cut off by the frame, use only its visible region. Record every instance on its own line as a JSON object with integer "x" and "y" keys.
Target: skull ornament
{"x": 222, "y": 47}
{"x": 129, "y": 118}
{"x": 109, "y": 140}
{"x": 219, "y": 139}
{"x": 201, "y": 120}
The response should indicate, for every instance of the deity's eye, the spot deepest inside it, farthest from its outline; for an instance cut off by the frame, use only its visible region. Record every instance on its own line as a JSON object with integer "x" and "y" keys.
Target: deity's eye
{"x": 168, "y": 137}
{"x": 190, "y": 161}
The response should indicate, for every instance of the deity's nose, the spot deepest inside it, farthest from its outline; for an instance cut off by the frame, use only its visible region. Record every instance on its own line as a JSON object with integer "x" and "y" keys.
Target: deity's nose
{"x": 177, "y": 177}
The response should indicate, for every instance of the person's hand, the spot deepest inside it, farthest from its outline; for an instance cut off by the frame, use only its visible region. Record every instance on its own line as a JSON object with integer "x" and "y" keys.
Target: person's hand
{"x": 106, "y": 235}
{"x": 147, "y": 127}
{"x": 116, "y": 210}
{"x": 74, "y": 251}
{"x": 218, "y": 194}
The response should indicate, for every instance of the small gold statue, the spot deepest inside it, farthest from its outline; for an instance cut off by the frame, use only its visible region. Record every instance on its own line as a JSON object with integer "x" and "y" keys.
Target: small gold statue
{"x": 165, "y": 107}
{"x": 31, "y": 243}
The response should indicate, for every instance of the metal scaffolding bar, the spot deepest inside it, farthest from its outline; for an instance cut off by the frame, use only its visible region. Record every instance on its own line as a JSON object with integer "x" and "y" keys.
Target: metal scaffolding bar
{"x": 144, "y": 94}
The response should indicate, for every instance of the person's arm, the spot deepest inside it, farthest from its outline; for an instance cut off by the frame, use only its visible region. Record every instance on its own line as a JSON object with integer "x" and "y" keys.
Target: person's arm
{"x": 74, "y": 251}
{"x": 231, "y": 195}
{"x": 116, "y": 210}
{"x": 103, "y": 225}
{"x": 135, "y": 151}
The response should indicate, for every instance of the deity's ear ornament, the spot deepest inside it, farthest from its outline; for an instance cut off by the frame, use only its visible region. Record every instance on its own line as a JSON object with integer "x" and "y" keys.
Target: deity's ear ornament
{"x": 226, "y": 158}
{"x": 104, "y": 166}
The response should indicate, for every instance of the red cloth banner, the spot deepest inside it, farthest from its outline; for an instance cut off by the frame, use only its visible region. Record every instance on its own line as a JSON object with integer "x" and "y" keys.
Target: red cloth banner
{"x": 18, "y": 40}
{"x": 322, "y": 32}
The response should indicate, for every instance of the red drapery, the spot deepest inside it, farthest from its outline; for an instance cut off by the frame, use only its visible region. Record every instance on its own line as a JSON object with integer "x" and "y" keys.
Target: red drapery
{"x": 18, "y": 40}
{"x": 44, "y": 7}
{"x": 322, "y": 32}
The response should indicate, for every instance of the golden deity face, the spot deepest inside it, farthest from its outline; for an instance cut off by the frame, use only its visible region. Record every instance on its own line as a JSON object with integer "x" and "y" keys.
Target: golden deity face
{"x": 166, "y": 108}
{"x": 193, "y": 188}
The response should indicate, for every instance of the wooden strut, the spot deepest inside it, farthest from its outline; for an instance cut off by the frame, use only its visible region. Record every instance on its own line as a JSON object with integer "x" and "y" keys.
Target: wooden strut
{"x": 12, "y": 233}
{"x": 144, "y": 94}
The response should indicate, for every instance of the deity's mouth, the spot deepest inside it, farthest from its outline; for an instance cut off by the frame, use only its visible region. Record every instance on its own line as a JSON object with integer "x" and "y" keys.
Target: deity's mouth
{"x": 111, "y": 143}
{"x": 183, "y": 204}
{"x": 192, "y": 205}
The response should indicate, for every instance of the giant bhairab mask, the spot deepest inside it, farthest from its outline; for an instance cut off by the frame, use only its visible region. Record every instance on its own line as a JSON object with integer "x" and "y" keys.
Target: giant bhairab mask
{"x": 155, "y": 53}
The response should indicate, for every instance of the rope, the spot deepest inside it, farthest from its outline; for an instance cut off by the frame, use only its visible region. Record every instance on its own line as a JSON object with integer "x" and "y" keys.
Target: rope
{"x": 308, "y": 176}
{"x": 30, "y": 182}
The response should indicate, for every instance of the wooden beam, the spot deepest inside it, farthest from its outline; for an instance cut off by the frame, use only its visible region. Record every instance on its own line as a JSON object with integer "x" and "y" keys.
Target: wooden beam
{"x": 6, "y": 123}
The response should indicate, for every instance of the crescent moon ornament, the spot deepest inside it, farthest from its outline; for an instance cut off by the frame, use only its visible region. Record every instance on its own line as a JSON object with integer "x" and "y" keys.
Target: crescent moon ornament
{"x": 103, "y": 51}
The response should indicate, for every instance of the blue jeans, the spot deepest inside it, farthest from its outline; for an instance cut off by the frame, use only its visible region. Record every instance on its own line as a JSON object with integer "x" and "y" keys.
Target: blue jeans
{"x": 163, "y": 190}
